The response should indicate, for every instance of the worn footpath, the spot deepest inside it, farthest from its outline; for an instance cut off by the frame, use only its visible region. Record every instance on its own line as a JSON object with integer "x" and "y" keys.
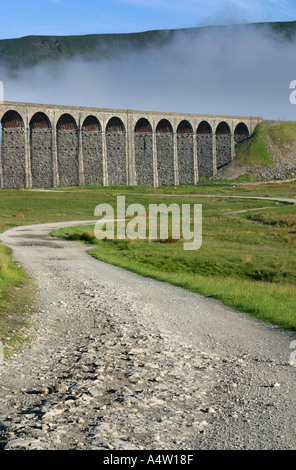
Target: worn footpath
{"x": 118, "y": 361}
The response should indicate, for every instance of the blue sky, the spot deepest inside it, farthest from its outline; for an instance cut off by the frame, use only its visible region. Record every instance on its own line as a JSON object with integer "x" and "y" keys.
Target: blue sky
{"x": 70, "y": 17}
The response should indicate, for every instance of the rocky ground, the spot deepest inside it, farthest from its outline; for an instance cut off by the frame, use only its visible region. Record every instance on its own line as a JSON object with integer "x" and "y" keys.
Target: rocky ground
{"x": 283, "y": 167}
{"x": 281, "y": 170}
{"x": 105, "y": 382}
{"x": 117, "y": 361}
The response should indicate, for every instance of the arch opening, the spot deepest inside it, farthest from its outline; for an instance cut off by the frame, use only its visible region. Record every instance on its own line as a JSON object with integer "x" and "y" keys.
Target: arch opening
{"x": 92, "y": 151}
{"x": 91, "y": 124}
{"x": 67, "y": 148}
{"x": 185, "y": 153}
{"x": 223, "y": 145}
{"x": 115, "y": 125}
{"x": 116, "y": 152}
{"x": 66, "y": 123}
{"x": 204, "y": 128}
{"x": 223, "y": 129}
{"x": 13, "y": 150}
{"x": 184, "y": 128}
{"x": 204, "y": 149}
{"x": 41, "y": 151}
{"x": 40, "y": 121}
{"x": 12, "y": 120}
{"x": 164, "y": 127}
{"x": 143, "y": 152}
{"x": 143, "y": 125}
{"x": 241, "y": 132}
{"x": 165, "y": 153}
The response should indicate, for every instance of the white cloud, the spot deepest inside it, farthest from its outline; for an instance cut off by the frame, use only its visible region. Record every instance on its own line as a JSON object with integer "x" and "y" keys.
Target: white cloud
{"x": 224, "y": 71}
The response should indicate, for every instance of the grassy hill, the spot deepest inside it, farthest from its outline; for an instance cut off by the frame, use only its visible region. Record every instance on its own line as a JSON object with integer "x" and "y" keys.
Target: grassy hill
{"x": 270, "y": 153}
{"x": 31, "y": 50}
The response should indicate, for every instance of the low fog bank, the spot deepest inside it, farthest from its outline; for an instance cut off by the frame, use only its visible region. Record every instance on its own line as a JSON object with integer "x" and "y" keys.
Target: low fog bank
{"x": 236, "y": 71}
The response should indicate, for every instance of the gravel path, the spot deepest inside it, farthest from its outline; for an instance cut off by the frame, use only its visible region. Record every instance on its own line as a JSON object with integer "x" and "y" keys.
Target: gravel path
{"x": 119, "y": 361}
{"x": 262, "y": 198}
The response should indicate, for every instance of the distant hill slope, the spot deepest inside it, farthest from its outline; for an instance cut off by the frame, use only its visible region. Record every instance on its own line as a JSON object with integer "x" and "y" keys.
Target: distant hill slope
{"x": 31, "y": 50}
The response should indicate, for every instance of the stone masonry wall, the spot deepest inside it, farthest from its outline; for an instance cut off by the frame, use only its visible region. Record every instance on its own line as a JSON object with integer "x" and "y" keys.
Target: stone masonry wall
{"x": 116, "y": 158}
{"x": 67, "y": 143}
{"x": 240, "y": 137}
{"x": 165, "y": 159}
{"x": 41, "y": 158}
{"x": 144, "y": 158}
{"x": 185, "y": 158}
{"x": 13, "y": 158}
{"x": 92, "y": 158}
{"x": 223, "y": 149}
{"x": 205, "y": 155}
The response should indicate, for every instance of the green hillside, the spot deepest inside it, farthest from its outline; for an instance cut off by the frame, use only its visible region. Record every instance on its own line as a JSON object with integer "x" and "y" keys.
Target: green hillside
{"x": 255, "y": 151}
{"x": 270, "y": 151}
{"x": 31, "y": 50}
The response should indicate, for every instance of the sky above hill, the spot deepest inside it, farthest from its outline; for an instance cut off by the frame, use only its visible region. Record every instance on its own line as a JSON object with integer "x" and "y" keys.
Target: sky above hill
{"x": 238, "y": 72}
{"x": 73, "y": 17}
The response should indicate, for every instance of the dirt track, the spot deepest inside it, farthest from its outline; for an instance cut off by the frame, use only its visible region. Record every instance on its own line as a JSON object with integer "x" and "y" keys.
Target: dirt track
{"x": 120, "y": 361}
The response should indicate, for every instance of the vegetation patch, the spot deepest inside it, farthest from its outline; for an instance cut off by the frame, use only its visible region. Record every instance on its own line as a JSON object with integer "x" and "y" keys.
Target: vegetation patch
{"x": 254, "y": 151}
{"x": 257, "y": 151}
{"x": 17, "y": 295}
{"x": 247, "y": 261}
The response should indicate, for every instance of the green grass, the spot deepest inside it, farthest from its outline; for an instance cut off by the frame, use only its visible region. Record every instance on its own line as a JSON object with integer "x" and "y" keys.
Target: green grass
{"x": 283, "y": 134}
{"x": 254, "y": 151}
{"x": 282, "y": 190}
{"x": 248, "y": 261}
{"x": 17, "y": 296}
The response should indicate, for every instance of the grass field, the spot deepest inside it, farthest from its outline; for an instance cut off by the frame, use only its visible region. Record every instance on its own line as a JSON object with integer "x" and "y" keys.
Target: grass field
{"x": 247, "y": 260}
{"x": 254, "y": 151}
{"x": 17, "y": 294}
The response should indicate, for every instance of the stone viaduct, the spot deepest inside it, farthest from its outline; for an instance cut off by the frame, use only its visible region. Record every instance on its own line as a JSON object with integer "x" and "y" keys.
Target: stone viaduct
{"x": 47, "y": 146}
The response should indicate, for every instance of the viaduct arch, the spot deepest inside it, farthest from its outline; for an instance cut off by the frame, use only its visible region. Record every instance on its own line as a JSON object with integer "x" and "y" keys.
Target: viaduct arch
{"x": 48, "y": 146}
{"x": 143, "y": 141}
{"x": 92, "y": 151}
